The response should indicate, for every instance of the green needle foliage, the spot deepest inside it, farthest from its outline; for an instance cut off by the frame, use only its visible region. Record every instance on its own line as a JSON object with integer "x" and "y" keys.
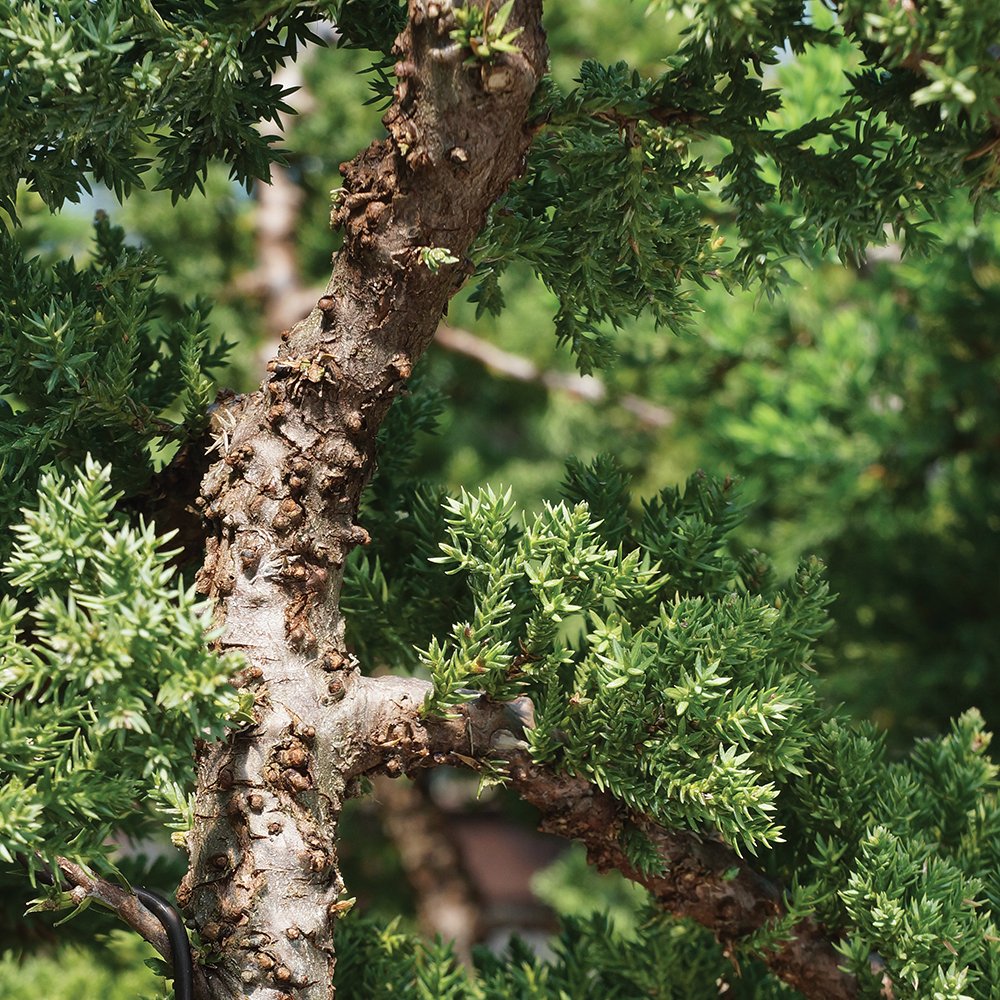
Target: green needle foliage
{"x": 89, "y": 367}
{"x": 666, "y": 666}
{"x": 658, "y": 668}
{"x": 860, "y": 411}
{"x": 610, "y": 213}
{"x": 105, "y": 672}
{"x": 121, "y": 975}
{"x": 88, "y": 85}
{"x": 664, "y": 960}
{"x": 393, "y": 578}
{"x": 901, "y": 856}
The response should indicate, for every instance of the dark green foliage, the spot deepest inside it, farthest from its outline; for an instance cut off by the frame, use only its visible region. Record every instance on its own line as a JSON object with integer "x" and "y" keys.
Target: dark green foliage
{"x": 616, "y": 188}
{"x": 101, "y": 647}
{"x": 685, "y": 533}
{"x": 86, "y": 85}
{"x": 89, "y": 367}
{"x": 373, "y": 25}
{"x": 611, "y": 213}
{"x": 861, "y": 410}
{"x": 370, "y": 24}
{"x": 606, "y": 489}
{"x": 663, "y": 960}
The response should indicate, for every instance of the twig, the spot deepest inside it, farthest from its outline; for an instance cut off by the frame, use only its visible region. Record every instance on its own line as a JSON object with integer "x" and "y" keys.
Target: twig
{"x": 521, "y": 369}
{"x": 147, "y": 915}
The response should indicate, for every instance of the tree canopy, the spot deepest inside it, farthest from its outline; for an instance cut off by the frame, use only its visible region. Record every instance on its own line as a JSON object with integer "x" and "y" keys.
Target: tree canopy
{"x": 731, "y": 269}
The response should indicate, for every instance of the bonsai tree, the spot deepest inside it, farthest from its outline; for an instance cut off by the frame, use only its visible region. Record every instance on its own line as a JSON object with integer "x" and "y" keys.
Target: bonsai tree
{"x": 267, "y": 581}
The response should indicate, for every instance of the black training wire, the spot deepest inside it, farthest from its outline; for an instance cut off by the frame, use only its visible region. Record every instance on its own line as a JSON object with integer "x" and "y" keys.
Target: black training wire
{"x": 180, "y": 945}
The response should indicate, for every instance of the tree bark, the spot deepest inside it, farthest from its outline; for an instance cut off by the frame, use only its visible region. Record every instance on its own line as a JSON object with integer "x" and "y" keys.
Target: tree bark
{"x": 263, "y": 885}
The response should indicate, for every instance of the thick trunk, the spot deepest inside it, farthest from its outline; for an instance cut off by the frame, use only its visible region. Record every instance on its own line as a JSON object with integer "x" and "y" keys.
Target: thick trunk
{"x": 263, "y": 885}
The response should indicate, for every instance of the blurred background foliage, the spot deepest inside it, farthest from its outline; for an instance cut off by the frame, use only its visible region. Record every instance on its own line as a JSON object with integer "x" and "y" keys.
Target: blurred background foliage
{"x": 861, "y": 408}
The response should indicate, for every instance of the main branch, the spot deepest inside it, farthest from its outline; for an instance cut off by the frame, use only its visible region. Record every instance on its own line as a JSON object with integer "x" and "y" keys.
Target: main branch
{"x": 281, "y": 504}
{"x": 264, "y": 886}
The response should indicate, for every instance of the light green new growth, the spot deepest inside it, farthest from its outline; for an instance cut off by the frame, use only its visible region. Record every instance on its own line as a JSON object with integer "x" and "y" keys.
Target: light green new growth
{"x": 434, "y": 257}
{"x": 657, "y": 669}
{"x": 105, "y": 672}
{"x": 482, "y": 33}
{"x": 904, "y": 857}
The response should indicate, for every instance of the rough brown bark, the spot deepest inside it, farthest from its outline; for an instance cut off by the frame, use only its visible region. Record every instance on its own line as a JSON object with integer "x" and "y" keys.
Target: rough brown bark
{"x": 698, "y": 879}
{"x": 263, "y": 884}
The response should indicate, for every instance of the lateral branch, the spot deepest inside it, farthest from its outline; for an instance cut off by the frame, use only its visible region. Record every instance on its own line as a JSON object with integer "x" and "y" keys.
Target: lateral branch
{"x": 697, "y": 878}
